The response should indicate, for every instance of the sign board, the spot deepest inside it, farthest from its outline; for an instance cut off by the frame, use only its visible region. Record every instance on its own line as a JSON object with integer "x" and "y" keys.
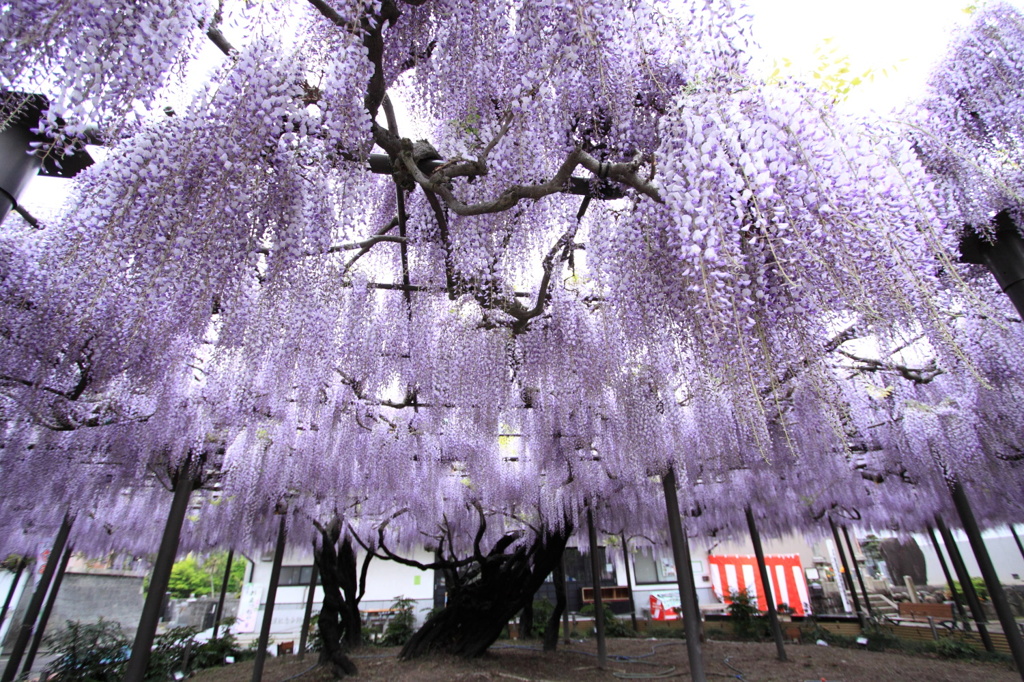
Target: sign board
{"x": 248, "y": 608}
{"x": 665, "y": 605}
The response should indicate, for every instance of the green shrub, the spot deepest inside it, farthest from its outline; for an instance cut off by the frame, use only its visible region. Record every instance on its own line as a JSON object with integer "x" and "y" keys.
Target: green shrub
{"x": 979, "y": 586}
{"x": 613, "y": 627}
{"x": 402, "y": 625}
{"x": 542, "y": 610}
{"x": 746, "y": 617}
{"x": 947, "y": 647}
{"x": 94, "y": 651}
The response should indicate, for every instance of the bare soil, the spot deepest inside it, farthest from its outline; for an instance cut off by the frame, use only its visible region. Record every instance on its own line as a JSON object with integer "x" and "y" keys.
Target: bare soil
{"x": 637, "y": 659}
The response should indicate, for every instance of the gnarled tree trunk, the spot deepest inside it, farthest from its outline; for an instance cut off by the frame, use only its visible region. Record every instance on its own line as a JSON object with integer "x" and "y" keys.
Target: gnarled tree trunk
{"x": 484, "y": 594}
{"x": 340, "y": 624}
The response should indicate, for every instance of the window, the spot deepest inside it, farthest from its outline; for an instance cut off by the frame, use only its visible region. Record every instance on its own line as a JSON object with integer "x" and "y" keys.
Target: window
{"x": 655, "y": 568}
{"x": 296, "y": 575}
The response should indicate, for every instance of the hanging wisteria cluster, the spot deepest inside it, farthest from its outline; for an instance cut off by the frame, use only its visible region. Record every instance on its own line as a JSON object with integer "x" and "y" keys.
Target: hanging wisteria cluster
{"x": 614, "y": 251}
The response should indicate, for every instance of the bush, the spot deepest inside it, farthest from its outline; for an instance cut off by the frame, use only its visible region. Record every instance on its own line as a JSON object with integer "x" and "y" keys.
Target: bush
{"x": 542, "y": 610}
{"x": 744, "y": 614}
{"x": 169, "y": 651}
{"x": 613, "y": 627}
{"x": 402, "y": 625}
{"x": 947, "y": 647}
{"x": 94, "y": 651}
{"x": 979, "y": 586}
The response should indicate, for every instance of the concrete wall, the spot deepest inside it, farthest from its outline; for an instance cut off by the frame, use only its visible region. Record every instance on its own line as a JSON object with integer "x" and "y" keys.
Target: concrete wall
{"x": 87, "y": 597}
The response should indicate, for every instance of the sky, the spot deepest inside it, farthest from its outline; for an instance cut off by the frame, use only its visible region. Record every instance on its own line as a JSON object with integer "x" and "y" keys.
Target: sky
{"x": 900, "y": 41}
{"x": 910, "y": 35}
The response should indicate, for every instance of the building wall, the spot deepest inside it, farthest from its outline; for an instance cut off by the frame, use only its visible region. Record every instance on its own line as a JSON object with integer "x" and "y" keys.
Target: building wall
{"x": 1002, "y": 549}
{"x": 386, "y": 581}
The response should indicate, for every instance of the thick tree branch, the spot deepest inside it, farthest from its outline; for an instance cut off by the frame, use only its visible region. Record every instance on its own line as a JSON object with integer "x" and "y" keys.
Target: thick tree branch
{"x": 439, "y": 181}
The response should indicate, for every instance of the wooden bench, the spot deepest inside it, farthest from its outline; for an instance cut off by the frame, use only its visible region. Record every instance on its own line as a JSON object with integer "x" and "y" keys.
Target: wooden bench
{"x": 940, "y": 614}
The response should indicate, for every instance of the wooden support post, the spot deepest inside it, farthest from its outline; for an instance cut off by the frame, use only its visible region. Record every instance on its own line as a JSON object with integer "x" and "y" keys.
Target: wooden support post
{"x": 36, "y": 604}
{"x": 769, "y": 598}
{"x": 565, "y": 612}
{"x": 219, "y": 613}
{"x": 307, "y": 616}
{"x": 847, "y": 578}
{"x": 595, "y": 569}
{"x": 629, "y": 581}
{"x": 22, "y": 563}
{"x": 988, "y": 572}
{"x": 1013, "y": 532}
{"x": 684, "y": 577}
{"x": 980, "y": 621}
{"x": 146, "y": 632}
{"x": 856, "y": 571}
{"x": 44, "y": 617}
{"x": 268, "y": 612}
{"x": 949, "y": 580}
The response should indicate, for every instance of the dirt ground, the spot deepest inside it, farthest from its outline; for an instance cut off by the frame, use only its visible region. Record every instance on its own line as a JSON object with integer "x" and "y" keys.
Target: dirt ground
{"x": 638, "y": 659}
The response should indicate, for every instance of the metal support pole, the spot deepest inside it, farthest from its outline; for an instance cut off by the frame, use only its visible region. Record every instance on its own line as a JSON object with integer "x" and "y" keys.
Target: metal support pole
{"x": 684, "y": 577}
{"x": 219, "y": 613}
{"x": 847, "y": 578}
{"x": 307, "y": 616}
{"x": 856, "y": 571}
{"x": 629, "y": 581}
{"x": 966, "y": 585}
{"x": 1013, "y": 532}
{"x": 22, "y": 563}
{"x": 769, "y": 598}
{"x": 595, "y": 570}
{"x": 146, "y": 632}
{"x": 949, "y": 580}
{"x": 34, "y": 606}
{"x": 988, "y": 572}
{"x": 44, "y": 617}
{"x": 268, "y": 612}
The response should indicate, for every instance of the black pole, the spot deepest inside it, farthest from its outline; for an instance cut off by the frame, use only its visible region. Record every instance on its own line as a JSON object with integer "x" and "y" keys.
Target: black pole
{"x": 684, "y": 578}
{"x": 308, "y": 615}
{"x": 1003, "y": 257}
{"x": 44, "y": 617}
{"x": 595, "y": 570}
{"x": 34, "y": 606}
{"x": 19, "y": 167}
{"x": 1013, "y": 532}
{"x": 144, "y": 635}
{"x": 565, "y": 611}
{"x": 769, "y": 598}
{"x": 629, "y": 581}
{"x": 856, "y": 571}
{"x": 22, "y": 563}
{"x": 988, "y": 572}
{"x": 268, "y": 612}
{"x": 966, "y": 585}
{"x": 223, "y": 591}
{"x": 949, "y": 580}
{"x": 847, "y": 578}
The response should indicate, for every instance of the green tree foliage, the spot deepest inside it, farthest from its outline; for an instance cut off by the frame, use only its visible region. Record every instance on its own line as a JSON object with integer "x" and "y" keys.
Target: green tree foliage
{"x": 188, "y": 579}
{"x": 214, "y": 564}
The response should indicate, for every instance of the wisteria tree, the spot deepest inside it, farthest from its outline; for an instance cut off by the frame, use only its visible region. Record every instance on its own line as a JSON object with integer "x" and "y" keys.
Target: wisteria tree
{"x": 343, "y": 253}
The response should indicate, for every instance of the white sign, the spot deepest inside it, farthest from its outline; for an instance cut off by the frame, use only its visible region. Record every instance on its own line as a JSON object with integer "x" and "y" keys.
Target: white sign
{"x": 248, "y": 607}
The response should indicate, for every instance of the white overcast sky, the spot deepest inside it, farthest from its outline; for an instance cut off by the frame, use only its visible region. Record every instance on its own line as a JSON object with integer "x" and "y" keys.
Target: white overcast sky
{"x": 875, "y": 34}
{"x": 910, "y": 35}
